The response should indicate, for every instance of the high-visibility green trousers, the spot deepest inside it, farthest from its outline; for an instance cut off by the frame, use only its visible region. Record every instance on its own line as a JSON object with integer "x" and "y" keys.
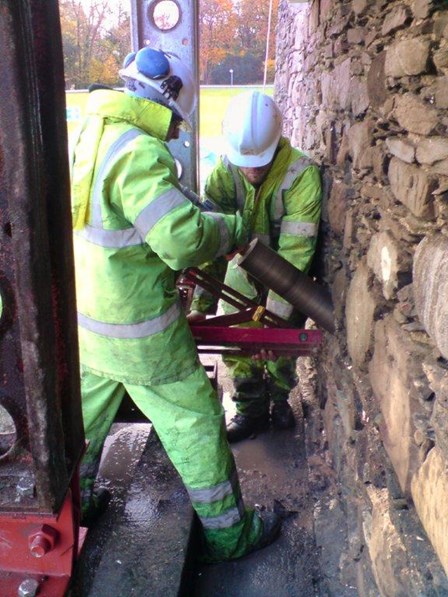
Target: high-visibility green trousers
{"x": 256, "y": 383}
{"x": 189, "y": 421}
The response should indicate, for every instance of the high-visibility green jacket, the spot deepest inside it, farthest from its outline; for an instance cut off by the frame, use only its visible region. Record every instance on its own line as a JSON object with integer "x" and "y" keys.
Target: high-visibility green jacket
{"x": 284, "y": 213}
{"x": 134, "y": 229}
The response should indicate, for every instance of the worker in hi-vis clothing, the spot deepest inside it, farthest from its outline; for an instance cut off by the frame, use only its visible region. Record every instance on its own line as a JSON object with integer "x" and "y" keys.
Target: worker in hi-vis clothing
{"x": 277, "y": 189}
{"x": 134, "y": 230}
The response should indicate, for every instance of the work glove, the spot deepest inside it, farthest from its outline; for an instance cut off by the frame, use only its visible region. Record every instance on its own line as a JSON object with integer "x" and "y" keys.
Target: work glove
{"x": 195, "y": 317}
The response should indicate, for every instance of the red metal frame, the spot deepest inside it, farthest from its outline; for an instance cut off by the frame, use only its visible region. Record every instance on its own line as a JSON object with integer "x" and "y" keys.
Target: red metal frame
{"x": 41, "y": 548}
{"x": 249, "y": 341}
{"x": 215, "y": 334}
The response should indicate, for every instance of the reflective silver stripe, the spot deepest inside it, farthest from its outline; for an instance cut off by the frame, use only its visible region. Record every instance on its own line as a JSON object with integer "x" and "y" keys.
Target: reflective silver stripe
{"x": 131, "y": 330}
{"x": 209, "y": 205}
{"x": 293, "y": 171}
{"x": 299, "y": 228}
{"x": 240, "y": 193}
{"x": 157, "y": 209}
{"x": 223, "y": 521}
{"x": 218, "y": 492}
{"x": 224, "y": 245}
{"x": 264, "y": 238}
{"x": 111, "y": 239}
{"x": 214, "y": 494}
{"x": 95, "y": 207}
{"x": 278, "y": 308}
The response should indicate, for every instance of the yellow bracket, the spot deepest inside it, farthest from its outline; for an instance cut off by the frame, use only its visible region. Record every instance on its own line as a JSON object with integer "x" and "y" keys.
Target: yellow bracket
{"x": 258, "y": 314}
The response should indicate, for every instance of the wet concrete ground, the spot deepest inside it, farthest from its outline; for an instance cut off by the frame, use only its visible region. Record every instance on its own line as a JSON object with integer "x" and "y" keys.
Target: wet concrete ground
{"x": 274, "y": 475}
{"x": 143, "y": 544}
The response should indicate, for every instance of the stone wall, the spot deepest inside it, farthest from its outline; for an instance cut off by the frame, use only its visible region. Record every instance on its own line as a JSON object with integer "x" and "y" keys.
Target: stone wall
{"x": 363, "y": 86}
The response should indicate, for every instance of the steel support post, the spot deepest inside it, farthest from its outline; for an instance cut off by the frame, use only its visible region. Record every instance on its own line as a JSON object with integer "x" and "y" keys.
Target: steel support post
{"x": 41, "y": 433}
{"x": 173, "y": 25}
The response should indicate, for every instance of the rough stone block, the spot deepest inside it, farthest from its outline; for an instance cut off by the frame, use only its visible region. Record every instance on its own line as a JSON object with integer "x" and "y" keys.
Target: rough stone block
{"x": 356, "y": 36}
{"x": 359, "y": 312}
{"x": 337, "y": 205}
{"x": 421, "y": 8}
{"x": 359, "y": 95}
{"x": 334, "y": 432}
{"x": 346, "y": 404}
{"x": 396, "y": 19}
{"x": 378, "y": 156}
{"x": 376, "y": 81}
{"x": 325, "y": 9}
{"x": 360, "y": 140}
{"x": 431, "y": 288}
{"x": 408, "y": 57}
{"x": 395, "y": 372}
{"x": 336, "y": 86}
{"x": 441, "y": 59}
{"x": 441, "y": 92}
{"x": 349, "y": 230}
{"x": 402, "y": 148}
{"x": 429, "y": 492}
{"x": 413, "y": 187}
{"x": 431, "y": 150}
{"x": 415, "y": 116}
{"x": 439, "y": 423}
{"x": 313, "y": 19}
{"x": 343, "y": 151}
{"x": 386, "y": 548}
{"x": 440, "y": 23}
{"x": 402, "y": 559}
{"x": 440, "y": 168}
{"x": 360, "y": 6}
{"x": 437, "y": 374}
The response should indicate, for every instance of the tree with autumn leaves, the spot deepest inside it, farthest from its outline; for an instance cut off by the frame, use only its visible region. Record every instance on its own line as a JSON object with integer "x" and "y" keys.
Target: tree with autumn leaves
{"x": 233, "y": 36}
{"x": 96, "y": 37}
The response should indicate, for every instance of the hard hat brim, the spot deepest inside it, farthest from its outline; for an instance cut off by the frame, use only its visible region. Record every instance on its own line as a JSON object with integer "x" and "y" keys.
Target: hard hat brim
{"x": 248, "y": 160}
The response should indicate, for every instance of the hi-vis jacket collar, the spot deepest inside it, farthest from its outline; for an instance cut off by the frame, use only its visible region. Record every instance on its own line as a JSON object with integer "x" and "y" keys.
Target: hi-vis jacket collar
{"x": 153, "y": 118}
{"x": 105, "y": 106}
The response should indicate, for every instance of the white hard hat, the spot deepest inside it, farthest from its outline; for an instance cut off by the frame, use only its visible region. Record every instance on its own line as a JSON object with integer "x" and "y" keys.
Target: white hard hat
{"x": 162, "y": 77}
{"x": 252, "y": 128}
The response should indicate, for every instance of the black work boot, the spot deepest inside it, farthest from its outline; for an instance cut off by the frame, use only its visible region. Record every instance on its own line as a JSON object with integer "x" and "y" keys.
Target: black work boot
{"x": 241, "y": 427}
{"x": 272, "y": 524}
{"x": 96, "y": 506}
{"x": 282, "y": 416}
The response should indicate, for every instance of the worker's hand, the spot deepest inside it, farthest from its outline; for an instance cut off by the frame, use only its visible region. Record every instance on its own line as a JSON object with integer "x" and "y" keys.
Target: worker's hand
{"x": 195, "y": 317}
{"x": 264, "y": 355}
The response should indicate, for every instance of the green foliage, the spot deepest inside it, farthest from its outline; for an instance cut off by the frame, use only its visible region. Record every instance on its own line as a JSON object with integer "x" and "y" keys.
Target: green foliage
{"x": 247, "y": 70}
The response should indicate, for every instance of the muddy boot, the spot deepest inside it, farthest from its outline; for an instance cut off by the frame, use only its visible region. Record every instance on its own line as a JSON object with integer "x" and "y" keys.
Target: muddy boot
{"x": 242, "y": 427}
{"x": 272, "y": 524}
{"x": 282, "y": 416}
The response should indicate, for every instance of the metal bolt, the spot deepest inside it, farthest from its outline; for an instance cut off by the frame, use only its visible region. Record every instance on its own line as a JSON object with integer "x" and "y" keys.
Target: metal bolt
{"x": 39, "y": 546}
{"x": 28, "y": 588}
{"x": 42, "y": 541}
{"x": 25, "y": 487}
